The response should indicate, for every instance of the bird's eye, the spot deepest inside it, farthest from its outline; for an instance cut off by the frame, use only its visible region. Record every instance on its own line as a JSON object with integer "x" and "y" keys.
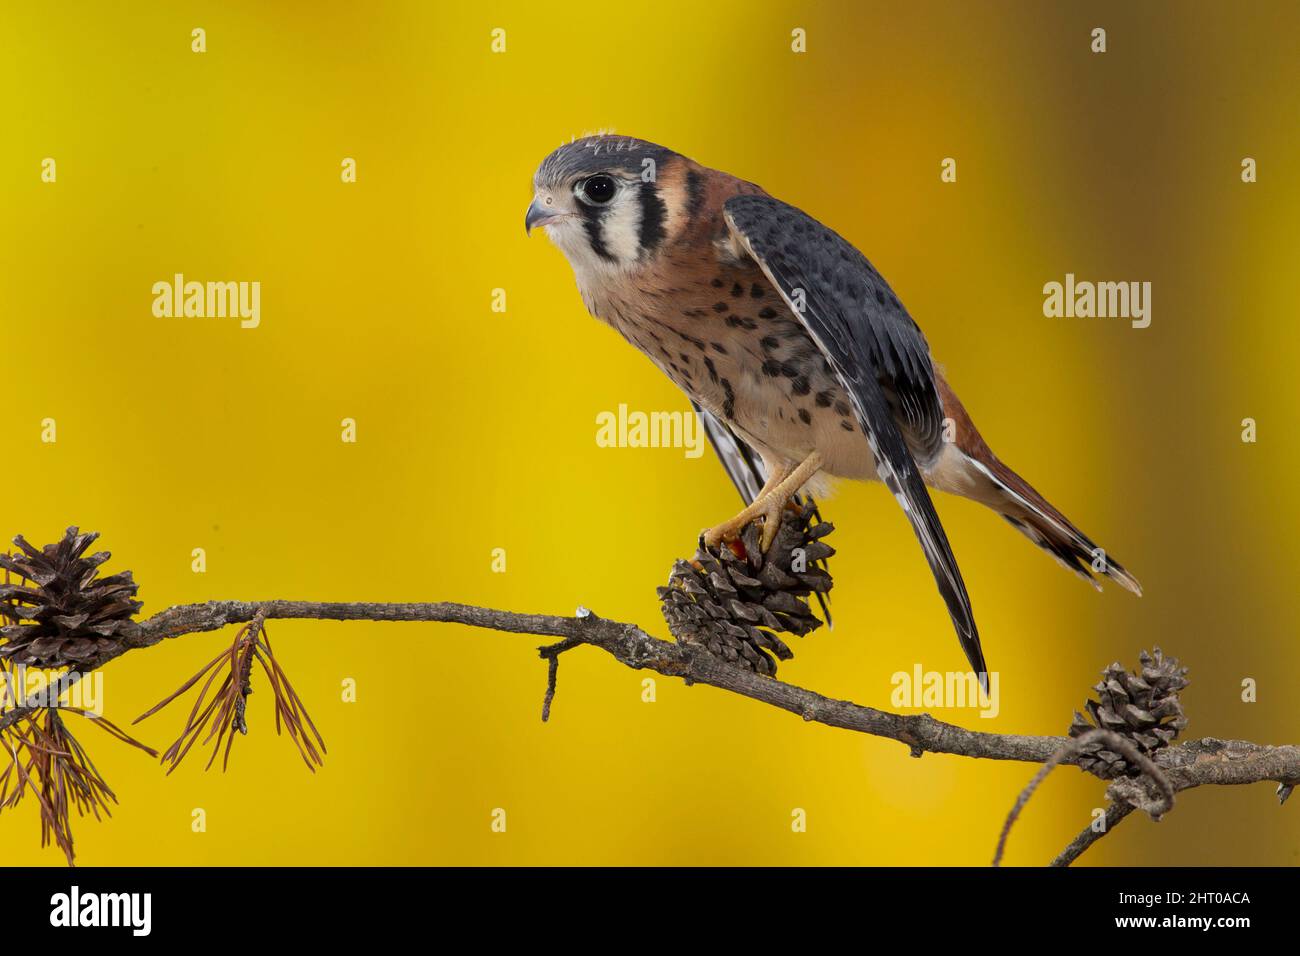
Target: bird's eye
{"x": 598, "y": 189}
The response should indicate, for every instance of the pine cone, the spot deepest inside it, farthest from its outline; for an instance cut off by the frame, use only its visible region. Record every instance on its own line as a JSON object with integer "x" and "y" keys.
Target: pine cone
{"x": 732, "y": 604}
{"x": 1142, "y": 708}
{"x": 73, "y": 614}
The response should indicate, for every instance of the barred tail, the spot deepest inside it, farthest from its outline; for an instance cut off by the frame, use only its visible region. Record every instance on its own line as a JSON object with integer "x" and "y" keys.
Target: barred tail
{"x": 1044, "y": 525}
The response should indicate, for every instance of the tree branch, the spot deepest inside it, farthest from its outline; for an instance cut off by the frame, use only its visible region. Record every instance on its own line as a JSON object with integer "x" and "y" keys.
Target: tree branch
{"x": 1191, "y": 764}
{"x": 629, "y": 645}
{"x": 1072, "y": 747}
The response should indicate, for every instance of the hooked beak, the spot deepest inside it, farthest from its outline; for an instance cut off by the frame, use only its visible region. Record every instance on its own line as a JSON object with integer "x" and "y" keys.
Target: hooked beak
{"x": 539, "y": 214}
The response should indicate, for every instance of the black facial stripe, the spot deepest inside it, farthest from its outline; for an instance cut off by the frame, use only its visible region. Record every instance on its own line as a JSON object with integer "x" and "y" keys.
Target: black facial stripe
{"x": 694, "y": 194}
{"x": 653, "y": 212}
{"x": 591, "y": 222}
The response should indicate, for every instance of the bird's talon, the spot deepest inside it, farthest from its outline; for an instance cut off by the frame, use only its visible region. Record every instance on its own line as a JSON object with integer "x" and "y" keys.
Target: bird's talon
{"x": 771, "y": 524}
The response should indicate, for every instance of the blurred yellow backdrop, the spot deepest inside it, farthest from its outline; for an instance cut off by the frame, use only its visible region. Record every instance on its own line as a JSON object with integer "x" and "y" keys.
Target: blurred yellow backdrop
{"x": 476, "y": 429}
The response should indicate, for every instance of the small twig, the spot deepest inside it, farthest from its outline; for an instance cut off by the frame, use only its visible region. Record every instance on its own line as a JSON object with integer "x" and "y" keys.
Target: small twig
{"x": 551, "y": 654}
{"x": 240, "y": 721}
{"x": 1090, "y": 834}
{"x": 11, "y": 717}
{"x": 1069, "y": 751}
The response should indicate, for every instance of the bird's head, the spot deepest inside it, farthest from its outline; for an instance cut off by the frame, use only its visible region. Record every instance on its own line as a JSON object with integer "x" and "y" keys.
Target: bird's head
{"x": 609, "y": 202}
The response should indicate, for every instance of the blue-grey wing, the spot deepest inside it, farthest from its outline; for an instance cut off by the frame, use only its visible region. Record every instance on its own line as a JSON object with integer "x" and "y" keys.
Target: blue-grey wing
{"x": 880, "y": 358}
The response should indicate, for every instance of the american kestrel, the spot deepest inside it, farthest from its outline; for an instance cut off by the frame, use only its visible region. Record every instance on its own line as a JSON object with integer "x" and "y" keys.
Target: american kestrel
{"x": 791, "y": 344}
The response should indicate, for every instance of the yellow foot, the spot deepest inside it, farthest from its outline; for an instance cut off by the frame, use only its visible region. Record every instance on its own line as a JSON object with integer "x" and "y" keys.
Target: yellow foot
{"x": 769, "y": 505}
{"x": 768, "y": 508}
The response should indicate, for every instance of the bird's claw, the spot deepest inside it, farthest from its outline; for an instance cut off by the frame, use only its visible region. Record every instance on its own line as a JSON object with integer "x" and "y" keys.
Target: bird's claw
{"x": 728, "y": 532}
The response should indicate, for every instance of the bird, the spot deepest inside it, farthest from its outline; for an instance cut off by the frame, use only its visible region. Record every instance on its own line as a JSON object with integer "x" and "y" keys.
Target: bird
{"x": 800, "y": 357}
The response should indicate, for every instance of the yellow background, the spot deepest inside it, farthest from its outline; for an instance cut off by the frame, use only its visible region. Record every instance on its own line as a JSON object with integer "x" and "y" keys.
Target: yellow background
{"x": 477, "y": 429}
